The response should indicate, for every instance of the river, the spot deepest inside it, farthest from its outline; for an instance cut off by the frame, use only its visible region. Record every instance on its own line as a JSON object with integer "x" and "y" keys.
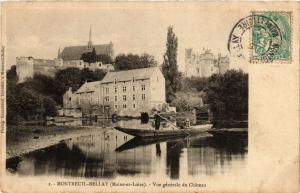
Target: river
{"x": 109, "y": 153}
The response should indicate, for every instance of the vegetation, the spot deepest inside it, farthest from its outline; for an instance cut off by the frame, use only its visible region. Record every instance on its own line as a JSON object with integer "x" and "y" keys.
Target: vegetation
{"x": 38, "y": 97}
{"x": 92, "y": 57}
{"x": 29, "y": 100}
{"x": 187, "y": 100}
{"x": 227, "y": 94}
{"x": 133, "y": 61}
{"x": 170, "y": 67}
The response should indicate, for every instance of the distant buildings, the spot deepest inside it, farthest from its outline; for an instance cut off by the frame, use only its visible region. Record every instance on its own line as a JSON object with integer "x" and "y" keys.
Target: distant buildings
{"x": 204, "y": 64}
{"x": 70, "y": 57}
{"x": 127, "y": 92}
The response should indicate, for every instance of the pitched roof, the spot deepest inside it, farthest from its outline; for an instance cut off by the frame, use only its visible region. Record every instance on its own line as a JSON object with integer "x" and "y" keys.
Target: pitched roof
{"x": 88, "y": 87}
{"x": 75, "y": 52}
{"x": 127, "y": 75}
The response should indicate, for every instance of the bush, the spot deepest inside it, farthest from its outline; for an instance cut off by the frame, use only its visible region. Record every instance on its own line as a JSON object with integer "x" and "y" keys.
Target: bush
{"x": 228, "y": 94}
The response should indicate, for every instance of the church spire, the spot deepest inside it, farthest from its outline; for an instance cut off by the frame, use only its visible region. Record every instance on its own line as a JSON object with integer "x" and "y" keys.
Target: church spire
{"x": 90, "y": 38}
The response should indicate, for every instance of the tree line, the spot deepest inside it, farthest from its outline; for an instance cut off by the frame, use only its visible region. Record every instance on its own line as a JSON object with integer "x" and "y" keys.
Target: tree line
{"x": 39, "y": 96}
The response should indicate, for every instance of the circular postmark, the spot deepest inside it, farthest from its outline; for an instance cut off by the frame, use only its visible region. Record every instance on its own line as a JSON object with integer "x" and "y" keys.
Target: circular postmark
{"x": 263, "y": 41}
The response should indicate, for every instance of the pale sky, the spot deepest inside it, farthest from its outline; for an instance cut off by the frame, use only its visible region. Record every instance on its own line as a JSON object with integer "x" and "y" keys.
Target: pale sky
{"x": 32, "y": 31}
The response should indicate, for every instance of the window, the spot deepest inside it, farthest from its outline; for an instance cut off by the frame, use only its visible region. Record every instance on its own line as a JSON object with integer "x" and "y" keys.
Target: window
{"x": 133, "y": 97}
{"x": 133, "y": 88}
{"x": 115, "y": 81}
{"x": 124, "y": 88}
{"x": 124, "y": 97}
{"x": 133, "y": 79}
{"x": 116, "y": 89}
{"x": 107, "y": 90}
{"x": 107, "y": 98}
{"x": 116, "y": 106}
{"x": 100, "y": 64}
{"x": 143, "y": 87}
{"x": 143, "y": 96}
{"x": 70, "y": 98}
{"x": 116, "y": 98}
{"x": 124, "y": 106}
{"x": 198, "y": 70}
{"x": 133, "y": 106}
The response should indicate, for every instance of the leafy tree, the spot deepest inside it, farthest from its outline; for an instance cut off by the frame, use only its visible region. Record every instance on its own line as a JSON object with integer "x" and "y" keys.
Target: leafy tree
{"x": 11, "y": 74}
{"x": 170, "y": 67}
{"x": 228, "y": 94}
{"x": 147, "y": 60}
{"x": 50, "y": 106}
{"x": 69, "y": 77}
{"x": 98, "y": 74}
{"x": 92, "y": 57}
{"x": 74, "y": 77}
{"x": 134, "y": 61}
{"x": 104, "y": 58}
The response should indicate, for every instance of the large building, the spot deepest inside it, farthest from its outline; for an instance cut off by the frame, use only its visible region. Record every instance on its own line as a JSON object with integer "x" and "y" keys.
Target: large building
{"x": 27, "y": 67}
{"x": 126, "y": 93}
{"x": 204, "y": 64}
{"x": 74, "y": 53}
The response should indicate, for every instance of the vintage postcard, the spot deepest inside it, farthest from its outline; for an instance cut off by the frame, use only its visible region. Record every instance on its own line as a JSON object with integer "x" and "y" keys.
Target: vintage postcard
{"x": 150, "y": 97}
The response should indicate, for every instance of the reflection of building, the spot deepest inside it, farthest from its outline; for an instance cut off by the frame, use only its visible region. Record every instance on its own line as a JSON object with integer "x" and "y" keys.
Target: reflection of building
{"x": 205, "y": 64}
{"x": 27, "y": 67}
{"x": 127, "y": 92}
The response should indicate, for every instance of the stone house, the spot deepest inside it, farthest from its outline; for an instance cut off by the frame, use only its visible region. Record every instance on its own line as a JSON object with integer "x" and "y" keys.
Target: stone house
{"x": 126, "y": 93}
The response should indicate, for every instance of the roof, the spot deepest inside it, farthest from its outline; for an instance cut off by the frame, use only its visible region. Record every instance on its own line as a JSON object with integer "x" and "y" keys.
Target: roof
{"x": 75, "y": 52}
{"x": 128, "y": 75}
{"x": 88, "y": 87}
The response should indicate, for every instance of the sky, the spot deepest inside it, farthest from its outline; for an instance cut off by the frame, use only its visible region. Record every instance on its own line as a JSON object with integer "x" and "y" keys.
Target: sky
{"x": 39, "y": 31}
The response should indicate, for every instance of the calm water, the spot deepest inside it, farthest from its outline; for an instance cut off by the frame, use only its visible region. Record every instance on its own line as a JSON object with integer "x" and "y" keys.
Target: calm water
{"x": 110, "y": 153}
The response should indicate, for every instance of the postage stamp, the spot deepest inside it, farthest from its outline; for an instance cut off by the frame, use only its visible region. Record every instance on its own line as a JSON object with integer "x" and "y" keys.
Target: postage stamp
{"x": 271, "y": 37}
{"x": 262, "y": 37}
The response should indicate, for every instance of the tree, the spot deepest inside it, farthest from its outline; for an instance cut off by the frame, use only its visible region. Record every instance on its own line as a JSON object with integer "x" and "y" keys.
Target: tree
{"x": 170, "y": 67}
{"x": 104, "y": 58}
{"x": 228, "y": 94}
{"x": 93, "y": 56}
{"x": 147, "y": 60}
{"x": 74, "y": 77}
{"x": 134, "y": 61}
{"x": 11, "y": 74}
{"x": 69, "y": 77}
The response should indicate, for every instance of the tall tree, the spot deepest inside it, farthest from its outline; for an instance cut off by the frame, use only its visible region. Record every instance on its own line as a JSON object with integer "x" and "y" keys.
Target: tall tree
{"x": 93, "y": 56}
{"x": 170, "y": 67}
{"x": 134, "y": 61}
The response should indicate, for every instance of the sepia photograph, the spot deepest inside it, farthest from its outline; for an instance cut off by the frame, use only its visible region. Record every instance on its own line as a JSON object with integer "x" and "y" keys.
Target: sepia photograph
{"x": 121, "y": 95}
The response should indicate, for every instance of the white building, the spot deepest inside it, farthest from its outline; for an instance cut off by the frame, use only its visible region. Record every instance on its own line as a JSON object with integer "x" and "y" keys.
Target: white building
{"x": 127, "y": 93}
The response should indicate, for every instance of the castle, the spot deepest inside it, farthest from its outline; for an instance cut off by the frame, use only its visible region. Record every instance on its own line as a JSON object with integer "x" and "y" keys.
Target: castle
{"x": 27, "y": 67}
{"x": 204, "y": 64}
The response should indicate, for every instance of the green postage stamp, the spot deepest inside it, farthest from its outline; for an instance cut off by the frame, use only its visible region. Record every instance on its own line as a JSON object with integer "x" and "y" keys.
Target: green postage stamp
{"x": 271, "y": 37}
{"x": 263, "y": 37}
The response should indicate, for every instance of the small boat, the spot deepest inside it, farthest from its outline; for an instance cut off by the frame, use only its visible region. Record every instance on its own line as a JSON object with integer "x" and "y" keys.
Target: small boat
{"x": 145, "y": 133}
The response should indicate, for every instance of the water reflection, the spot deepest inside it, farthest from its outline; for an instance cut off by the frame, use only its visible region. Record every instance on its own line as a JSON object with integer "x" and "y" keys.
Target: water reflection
{"x": 110, "y": 153}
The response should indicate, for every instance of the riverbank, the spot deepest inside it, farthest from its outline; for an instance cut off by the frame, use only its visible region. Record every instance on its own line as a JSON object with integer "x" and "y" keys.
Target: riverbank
{"x": 24, "y": 139}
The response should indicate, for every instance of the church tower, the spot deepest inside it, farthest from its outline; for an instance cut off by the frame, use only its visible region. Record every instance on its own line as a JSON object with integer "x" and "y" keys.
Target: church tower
{"x": 90, "y": 44}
